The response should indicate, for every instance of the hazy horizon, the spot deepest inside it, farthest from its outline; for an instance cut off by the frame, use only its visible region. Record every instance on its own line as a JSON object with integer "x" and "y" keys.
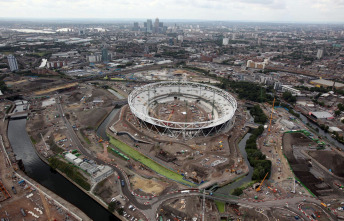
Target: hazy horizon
{"x": 280, "y": 11}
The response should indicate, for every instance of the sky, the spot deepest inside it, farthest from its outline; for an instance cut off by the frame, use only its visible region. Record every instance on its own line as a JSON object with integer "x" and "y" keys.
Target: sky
{"x": 318, "y": 11}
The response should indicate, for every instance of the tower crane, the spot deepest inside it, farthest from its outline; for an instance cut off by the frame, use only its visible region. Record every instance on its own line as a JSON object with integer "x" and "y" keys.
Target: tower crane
{"x": 272, "y": 110}
{"x": 260, "y": 186}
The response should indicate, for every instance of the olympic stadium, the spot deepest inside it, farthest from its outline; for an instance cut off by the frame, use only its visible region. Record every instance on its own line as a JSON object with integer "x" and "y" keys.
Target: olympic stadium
{"x": 182, "y": 109}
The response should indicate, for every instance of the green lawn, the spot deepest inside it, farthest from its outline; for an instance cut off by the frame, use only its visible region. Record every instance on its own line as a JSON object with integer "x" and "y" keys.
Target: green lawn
{"x": 131, "y": 152}
{"x": 220, "y": 206}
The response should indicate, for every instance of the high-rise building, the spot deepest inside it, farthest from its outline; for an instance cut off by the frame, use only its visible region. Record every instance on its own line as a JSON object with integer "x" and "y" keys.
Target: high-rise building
{"x": 259, "y": 41}
{"x": 105, "y": 55}
{"x": 225, "y": 41}
{"x": 156, "y": 25}
{"x": 320, "y": 53}
{"x": 233, "y": 36}
{"x": 136, "y": 26}
{"x": 12, "y": 62}
{"x": 149, "y": 25}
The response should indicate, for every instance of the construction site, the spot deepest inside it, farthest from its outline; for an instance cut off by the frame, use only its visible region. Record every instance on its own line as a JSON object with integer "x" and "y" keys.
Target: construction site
{"x": 168, "y": 136}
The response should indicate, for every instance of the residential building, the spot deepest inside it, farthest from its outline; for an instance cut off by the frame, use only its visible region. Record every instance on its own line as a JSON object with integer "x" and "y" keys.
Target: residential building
{"x": 12, "y": 62}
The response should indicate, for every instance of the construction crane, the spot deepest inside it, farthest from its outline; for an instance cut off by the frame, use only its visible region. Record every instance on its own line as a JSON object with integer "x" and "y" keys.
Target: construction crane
{"x": 169, "y": 117}
{"x": 7, "y": 195}
{"x": 260, "y": 186}
{"x": 272, "y": 110}
{"x": 45, "y": 204}
{"x": 203, "y": 209}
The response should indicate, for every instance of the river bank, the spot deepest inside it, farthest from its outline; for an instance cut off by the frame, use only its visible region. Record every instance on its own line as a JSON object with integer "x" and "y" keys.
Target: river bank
{"x": 73, "y": 210}
{"x": 38, "y": 170}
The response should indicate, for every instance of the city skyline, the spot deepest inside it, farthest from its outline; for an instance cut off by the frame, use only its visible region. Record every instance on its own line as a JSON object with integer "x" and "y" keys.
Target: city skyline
{"x": 319, "y": 11}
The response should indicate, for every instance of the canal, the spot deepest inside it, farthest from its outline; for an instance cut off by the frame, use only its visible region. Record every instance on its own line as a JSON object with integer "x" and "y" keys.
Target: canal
{"x": 101, "y": 131}
{"x": 321, "y": 132}
{"x": 43, "y": 174}
{"x": 228, "y": 188}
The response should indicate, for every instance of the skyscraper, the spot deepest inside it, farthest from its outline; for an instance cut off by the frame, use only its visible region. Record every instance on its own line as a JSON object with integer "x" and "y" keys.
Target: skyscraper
{"x": 12, "y": 62}
{"x": 105, "y": 55}
{"x": 136, "y": 26}
{"x": 156, "y": 25}
{"x": 320, "y": 53}
{"x": 149, "y": 25}
{"x": 225, "y": 41}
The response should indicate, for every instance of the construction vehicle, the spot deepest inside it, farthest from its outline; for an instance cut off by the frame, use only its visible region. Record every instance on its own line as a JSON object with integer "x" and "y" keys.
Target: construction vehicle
{"x": 260, "y": 186}
{"x": 272, "y": 110}
{"x": 273, "y": 190}
{"x": 237, "y": 212}
{"x": 323, "y": 204}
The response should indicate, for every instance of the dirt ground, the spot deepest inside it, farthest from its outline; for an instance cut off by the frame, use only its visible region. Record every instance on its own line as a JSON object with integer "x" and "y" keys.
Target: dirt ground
{"x": 147, "y": 185}
{"x": 300, "y": 165}
{"x": 189, "y": 207}
{"x": 281, "y": 214}
{"x": 190, "y": 153}
{"x": 55, "y": 88}
{"x": 92, "y": 117}
{"x": 179, "y": 111}
{"x": 311, "y": 209}
{"x": 107, "y": 189}
{"x": 330, "y": 160}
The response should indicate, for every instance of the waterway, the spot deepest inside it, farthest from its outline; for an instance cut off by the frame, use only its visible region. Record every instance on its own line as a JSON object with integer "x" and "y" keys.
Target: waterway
{"x": 118, "y": 95}
{"x": 228, "y": 188}
{"x": 321, "y": 132}
{"x": 43, "y": 174}
{"x": 101, "y": 131}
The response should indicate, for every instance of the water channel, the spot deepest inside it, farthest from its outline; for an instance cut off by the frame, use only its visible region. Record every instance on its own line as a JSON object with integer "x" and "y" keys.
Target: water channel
{"x": 101, "y": 131}
{"x": 228, "y": 188}
{"x": 321, "y": 132}
{"x": 43, "y": 174}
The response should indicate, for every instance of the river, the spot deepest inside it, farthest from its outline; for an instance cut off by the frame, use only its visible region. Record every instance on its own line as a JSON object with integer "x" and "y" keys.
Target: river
{"x": 43, "y": 174}
{"x": 101, "y": 131}
{"x": 228, "y": 188}
{"x": 321, "y": 132}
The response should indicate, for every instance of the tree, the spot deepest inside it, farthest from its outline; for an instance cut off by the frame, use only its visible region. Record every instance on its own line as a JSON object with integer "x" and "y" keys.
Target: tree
{"x": 337, "y": 113}
{"x": 289, "y": 97}
{"x": 237, "y": 191}
{"x": 112, "y": 206}
{"x": 120, "y": 211}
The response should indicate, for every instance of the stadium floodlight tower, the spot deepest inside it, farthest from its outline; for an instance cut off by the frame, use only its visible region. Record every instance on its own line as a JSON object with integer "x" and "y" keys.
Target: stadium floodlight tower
{"x": 220, "y": 106}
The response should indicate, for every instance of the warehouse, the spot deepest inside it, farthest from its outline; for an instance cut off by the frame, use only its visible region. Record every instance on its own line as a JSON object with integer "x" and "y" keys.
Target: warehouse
{"x": 327, "y": 83}
{"x": 322, "y": 115}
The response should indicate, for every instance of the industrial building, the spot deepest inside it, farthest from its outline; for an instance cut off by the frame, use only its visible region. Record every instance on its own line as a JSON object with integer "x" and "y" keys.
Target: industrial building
{"x": 290, "y": 89}
{"x": 102, "y": 173}
{"x": 326, "y": 83}
{"x": 321, "y": 115}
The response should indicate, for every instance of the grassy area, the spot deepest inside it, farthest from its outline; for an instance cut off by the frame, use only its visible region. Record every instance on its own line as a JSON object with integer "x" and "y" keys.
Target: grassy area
{"x": 148, "y": 162}
{"x": 70, "y": 171}
{"x": 85, "y": 137}
{"x": 243, "y": 187}
{"x": 220, "y": 206}
{"x": 33, "y": 140}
